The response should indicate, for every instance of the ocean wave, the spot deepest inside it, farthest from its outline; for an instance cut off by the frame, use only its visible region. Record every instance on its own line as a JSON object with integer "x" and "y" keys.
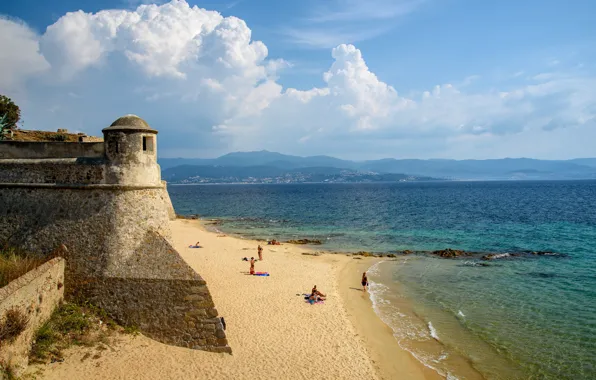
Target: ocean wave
{"x": 399, "y": 322}
{"x": 433, "y": 331}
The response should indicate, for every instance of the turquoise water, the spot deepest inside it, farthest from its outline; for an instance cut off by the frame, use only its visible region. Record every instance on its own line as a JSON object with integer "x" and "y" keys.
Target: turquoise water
{"x": 525, "y": 317}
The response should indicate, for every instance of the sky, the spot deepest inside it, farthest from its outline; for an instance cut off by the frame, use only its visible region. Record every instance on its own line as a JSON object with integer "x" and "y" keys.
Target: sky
{"x": 461, "y": 79}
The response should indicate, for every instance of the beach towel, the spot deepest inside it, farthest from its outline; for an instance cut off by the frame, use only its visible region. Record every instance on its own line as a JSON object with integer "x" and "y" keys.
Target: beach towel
{"x": 312, "y": 302}
{"x": 194, "y": 246}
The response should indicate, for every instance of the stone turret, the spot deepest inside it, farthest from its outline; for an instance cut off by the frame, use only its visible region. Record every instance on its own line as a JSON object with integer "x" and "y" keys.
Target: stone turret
{"x": 106, "y": 203}
{"x": 131, "y": 151}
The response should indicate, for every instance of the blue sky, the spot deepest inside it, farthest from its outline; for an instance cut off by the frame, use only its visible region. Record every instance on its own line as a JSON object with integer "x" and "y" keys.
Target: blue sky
{"x": 405, "y": 78}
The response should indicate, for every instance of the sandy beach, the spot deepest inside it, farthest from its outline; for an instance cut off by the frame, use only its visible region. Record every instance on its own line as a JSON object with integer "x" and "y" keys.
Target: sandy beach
{"x": 273, "y": 332}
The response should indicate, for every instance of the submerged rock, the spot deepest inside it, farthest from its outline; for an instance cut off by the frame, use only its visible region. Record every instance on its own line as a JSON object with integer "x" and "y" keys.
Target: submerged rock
{"x": 543, "y": 253}
{"x": 305, "y": 241}
{"x": 493, "y": 256}
{"x": 449, "y": 253}
{"x": 194, "y": 217}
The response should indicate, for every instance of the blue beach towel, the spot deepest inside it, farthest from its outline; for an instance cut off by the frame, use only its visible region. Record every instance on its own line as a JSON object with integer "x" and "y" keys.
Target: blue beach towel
{"x": 194, "y": 246}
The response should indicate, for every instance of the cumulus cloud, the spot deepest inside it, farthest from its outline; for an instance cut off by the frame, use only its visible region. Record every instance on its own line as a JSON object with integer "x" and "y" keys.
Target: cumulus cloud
{"x": 20, "y": 57}
{"x": 208, "y": 87}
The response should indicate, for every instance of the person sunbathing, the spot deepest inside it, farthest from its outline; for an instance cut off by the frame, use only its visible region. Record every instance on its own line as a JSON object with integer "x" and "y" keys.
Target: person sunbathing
{"x": 317, "y": 295}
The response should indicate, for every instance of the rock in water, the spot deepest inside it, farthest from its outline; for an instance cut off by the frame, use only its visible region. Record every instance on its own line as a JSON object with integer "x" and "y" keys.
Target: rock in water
{"x": 449, "y": 253}
{"x": 305, "y": 241}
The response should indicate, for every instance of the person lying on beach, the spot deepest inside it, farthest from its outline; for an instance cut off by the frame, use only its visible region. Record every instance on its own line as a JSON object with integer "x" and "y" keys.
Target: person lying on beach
{"x": 198, "y": 244}
{"x": 364, "y": 281}
{"x": 273, "y": 242}
{"x": 252, "y": 265}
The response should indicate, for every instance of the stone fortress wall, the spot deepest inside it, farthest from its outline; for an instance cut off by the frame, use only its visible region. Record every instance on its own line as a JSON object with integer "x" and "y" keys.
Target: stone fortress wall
{"x": 35, "y": 294}
{"x": 111, "y": 211}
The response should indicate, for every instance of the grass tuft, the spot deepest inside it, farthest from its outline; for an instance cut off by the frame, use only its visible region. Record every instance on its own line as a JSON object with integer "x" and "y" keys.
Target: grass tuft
{"x": 12, "y": 325}
{"x": 72, "y": 325}
{"x": 14, "y": 263}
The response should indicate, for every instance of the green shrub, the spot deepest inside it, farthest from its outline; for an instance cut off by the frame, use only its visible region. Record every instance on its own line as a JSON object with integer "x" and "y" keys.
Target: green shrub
{"x": 44, "y": 345}
{"x": 58, "y": 137}
{"x": 71, "y": 324}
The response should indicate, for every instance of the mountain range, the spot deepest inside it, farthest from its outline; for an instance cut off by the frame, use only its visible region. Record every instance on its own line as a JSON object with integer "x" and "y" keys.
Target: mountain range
{"x": 265, "y": 164}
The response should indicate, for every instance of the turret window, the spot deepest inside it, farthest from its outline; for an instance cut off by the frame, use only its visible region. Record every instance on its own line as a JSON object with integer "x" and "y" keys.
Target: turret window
{"x": 148, "y": 144}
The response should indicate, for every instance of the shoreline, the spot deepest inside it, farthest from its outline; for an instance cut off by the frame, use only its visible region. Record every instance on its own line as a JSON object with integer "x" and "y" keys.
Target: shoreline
{"x": 389, "y": 359}
{"x": 273, "y": 332}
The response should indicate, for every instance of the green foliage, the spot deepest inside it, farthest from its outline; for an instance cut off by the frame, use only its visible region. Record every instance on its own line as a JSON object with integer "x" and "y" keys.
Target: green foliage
{"x": 58, "y": 137}
{"x": 71, "y": 319}
{"x": 71, "y": 324}
{"x": 10, "y": 111}
{"x": 44, "y": 346}
{"x": 132, "y": 330}
{"x": 6, "y": 372}
{"x": 67, "y": 326}
{"x": 4, "y": 131}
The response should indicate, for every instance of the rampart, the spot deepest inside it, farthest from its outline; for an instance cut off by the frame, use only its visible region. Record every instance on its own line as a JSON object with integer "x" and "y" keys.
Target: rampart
{"x": 112, "y": 213}
{"x": 34, "y": 295}
{"x": 47, "y": 149}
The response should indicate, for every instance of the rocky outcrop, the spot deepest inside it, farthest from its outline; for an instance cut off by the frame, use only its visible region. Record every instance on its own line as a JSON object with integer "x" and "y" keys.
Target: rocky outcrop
{"x": 305, "y": 241}
{"x": 450, "y": 253}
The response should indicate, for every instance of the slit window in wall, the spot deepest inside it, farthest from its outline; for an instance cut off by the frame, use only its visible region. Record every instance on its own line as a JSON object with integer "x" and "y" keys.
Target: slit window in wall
{"x": 147, "y": 143}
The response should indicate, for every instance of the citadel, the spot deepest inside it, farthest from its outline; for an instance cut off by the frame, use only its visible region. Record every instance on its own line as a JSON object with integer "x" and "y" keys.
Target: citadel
{"x": 103, "y": 206}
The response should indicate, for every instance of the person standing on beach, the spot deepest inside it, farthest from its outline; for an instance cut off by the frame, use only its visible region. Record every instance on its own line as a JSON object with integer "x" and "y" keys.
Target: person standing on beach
{"x": 252, "y": 265}
{"x": 364, "y": 281}
{"x": 260, "y": 251}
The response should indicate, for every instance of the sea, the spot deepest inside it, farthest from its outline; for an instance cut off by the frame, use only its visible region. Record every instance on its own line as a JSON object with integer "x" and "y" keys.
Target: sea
{"x": 515, "y": 317}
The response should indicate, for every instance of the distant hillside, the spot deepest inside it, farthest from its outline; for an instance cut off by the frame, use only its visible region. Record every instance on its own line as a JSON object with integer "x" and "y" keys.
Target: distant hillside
{"x": 272, "y": 163}
{"x": 262, "y": 158}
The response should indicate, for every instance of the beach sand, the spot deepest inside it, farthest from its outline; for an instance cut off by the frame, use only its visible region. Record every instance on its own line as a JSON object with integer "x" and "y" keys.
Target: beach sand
{"x": 273, "y": 332}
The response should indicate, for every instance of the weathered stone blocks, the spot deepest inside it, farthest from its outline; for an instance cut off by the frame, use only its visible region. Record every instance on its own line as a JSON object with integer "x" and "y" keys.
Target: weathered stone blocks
{"x": 111, "y": 210}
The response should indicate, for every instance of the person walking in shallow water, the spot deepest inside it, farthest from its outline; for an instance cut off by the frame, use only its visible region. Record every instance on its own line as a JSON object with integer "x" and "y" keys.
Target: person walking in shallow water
{"x": 260, "y": 251}
{"x": 364, "y": 281}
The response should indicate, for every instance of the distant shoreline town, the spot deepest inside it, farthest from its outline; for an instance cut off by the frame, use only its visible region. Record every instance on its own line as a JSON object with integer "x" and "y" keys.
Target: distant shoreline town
{"x": 271, "y": 167}
{"x": 290, "y": 178}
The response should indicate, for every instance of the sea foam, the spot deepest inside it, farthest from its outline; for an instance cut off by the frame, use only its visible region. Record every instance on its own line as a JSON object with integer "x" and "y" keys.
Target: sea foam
{"x": 432, "y": 330}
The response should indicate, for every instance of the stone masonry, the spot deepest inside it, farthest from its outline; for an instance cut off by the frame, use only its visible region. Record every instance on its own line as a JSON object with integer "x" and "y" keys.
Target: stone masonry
{"x": 112, "y": 212}
{"x": 35, "y": 294}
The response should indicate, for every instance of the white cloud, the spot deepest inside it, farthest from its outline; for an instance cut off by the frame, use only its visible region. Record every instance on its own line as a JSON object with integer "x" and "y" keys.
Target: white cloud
{"x": 200, "y": 79}
{"x": 19, "y": 54}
